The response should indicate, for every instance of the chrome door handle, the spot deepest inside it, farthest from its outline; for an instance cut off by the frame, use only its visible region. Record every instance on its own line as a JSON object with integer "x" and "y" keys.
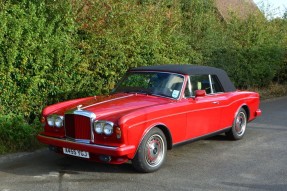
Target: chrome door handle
{"x": 215, "y": 102}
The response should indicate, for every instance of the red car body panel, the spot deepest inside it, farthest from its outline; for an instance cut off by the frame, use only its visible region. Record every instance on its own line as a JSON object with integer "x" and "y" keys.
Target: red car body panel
{"x": 181, "y": 119}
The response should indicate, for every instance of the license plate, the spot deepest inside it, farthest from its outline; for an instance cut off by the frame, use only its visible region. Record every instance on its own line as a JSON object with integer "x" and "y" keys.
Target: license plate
{"x": 77, "y": 153}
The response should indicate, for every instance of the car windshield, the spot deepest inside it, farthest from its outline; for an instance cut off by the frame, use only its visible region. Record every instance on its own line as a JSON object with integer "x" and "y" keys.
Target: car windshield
{"x": 153, "y": 83}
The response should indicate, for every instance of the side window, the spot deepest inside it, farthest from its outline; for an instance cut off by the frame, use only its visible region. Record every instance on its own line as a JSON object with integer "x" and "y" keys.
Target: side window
{"x": 216, "y": 86}
{"x": 200, "y": 82}
{"x": 209, "y": 83}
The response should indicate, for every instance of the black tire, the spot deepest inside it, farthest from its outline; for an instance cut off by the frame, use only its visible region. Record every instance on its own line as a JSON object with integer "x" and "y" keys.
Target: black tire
{"x": 151, "y": 153}
{"x": 239, "y": 126}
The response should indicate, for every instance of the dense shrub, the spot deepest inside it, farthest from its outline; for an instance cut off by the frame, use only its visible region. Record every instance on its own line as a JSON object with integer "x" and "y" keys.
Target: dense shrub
{"x": 204, "y": 30}
{"x": 255, "y": 52}
{"x": 16, "y": 134}
{"x": 38, "y": 59}
{"x": 38, "y": 65}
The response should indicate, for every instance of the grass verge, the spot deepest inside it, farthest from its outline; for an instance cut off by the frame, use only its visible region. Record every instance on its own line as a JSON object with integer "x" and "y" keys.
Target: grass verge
{"x": 271, "y": 91}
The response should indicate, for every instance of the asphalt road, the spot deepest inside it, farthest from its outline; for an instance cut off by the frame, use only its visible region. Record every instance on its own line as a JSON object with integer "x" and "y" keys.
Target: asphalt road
{"x": 258, "y": 162}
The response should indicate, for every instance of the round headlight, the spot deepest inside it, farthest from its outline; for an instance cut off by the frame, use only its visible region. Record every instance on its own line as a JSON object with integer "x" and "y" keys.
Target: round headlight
{"x": 108, "y": 129}
{"x": 98, "y": 127}
{"x": 59, "y": 121}
{"x": 51, "y": 121}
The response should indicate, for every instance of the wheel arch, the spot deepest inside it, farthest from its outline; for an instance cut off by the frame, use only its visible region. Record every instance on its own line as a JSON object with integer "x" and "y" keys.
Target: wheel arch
{"x": 165, "y": 131}
{"x": 148, "y": 159}
{"x": 233, "y": 133}
{"x": 167, "y": 135}
{"x": 247, "y": 110}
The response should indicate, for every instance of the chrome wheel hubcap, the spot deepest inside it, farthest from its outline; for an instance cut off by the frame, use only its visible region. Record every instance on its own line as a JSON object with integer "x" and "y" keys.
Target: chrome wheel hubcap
{"x": 154, "y": 150}
{"x": 240, "y": 123}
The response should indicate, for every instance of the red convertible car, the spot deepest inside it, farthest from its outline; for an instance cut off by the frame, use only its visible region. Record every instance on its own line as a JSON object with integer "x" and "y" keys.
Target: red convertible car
{"x": 152, "y": 109}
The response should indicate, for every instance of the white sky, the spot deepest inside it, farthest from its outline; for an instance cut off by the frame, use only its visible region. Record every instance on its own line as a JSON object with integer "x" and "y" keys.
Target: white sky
{"x": 273, "y": 8}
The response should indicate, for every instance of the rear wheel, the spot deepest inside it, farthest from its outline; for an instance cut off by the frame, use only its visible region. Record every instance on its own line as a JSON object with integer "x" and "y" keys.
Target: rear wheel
{"x": 151, "y": 153}
{"x": 239, "y": 126}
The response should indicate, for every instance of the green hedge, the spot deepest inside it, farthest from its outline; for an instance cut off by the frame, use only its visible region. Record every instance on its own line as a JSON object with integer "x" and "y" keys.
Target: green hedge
{"x": 57, "y": 50}
{"x": 117, "y": 35}
{"x": 16, "y": 134}
{"x": 37, "y": 55}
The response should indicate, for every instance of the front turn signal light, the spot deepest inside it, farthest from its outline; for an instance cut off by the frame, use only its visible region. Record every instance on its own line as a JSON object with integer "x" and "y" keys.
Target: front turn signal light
{"x": 118, "y": 132}
{"x": 43, "y": 120}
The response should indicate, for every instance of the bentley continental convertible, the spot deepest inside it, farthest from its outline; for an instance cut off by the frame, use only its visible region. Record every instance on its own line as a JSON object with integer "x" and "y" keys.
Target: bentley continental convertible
{"x": 152, "y": 109}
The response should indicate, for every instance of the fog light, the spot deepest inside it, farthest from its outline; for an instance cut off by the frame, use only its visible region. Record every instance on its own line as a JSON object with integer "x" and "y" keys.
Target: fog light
{"x": 105, "y": 158}
{"x": 53, "y": 148}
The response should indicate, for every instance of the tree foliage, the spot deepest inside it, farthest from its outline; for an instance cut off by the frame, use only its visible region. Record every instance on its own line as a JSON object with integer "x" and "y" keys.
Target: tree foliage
{"x": 118, "y": 35}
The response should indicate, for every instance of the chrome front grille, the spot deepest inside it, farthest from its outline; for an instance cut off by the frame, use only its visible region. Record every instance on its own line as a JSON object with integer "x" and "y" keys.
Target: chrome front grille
{"x": 77, "y": 126}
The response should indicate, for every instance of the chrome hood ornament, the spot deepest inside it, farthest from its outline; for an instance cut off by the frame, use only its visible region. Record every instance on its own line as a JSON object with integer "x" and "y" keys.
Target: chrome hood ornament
{"x": 79, "y": 107}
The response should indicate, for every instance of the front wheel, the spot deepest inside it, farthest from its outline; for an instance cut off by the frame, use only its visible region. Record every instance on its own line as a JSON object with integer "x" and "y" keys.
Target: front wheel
{"x": 239, "y": 126}
{"x": 151, "y": 153}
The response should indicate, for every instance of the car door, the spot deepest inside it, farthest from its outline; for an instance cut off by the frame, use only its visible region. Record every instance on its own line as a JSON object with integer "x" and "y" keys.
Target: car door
{"x": 204, "y": 112}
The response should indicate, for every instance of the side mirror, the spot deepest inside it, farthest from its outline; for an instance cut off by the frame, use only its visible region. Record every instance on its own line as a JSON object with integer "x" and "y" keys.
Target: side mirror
{"x": 200, "y": 93}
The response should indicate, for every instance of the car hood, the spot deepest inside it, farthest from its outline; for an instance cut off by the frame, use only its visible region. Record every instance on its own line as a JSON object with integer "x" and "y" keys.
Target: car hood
{"x": 104, "y": 106}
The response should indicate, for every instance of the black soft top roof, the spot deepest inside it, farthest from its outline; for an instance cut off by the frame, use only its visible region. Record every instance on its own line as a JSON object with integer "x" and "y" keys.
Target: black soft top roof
{"x": 191, "y": 70}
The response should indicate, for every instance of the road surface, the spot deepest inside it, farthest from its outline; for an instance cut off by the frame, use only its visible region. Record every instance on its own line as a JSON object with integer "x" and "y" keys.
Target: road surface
{"x": 258, "y": 162}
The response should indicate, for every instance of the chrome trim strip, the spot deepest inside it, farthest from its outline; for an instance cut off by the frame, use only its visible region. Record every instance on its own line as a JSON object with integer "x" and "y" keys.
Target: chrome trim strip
{"x": 106, "y": 101}
{"x": 202, "y": 136}
{"x": 86, "y": 141}
{"x": 92, "y": 145}
{"x": 82, "y": 113}
{"x": 191, "y": 111}
{"x": 210, "y": 83}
